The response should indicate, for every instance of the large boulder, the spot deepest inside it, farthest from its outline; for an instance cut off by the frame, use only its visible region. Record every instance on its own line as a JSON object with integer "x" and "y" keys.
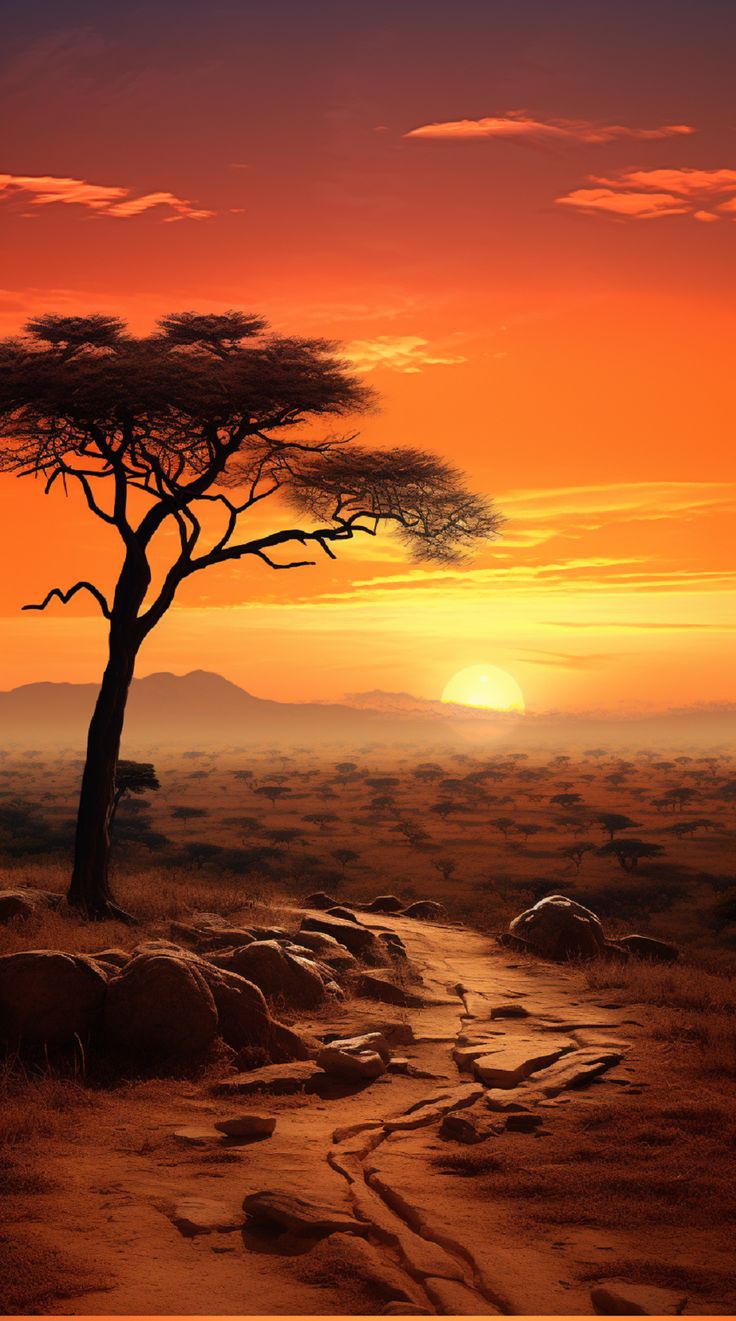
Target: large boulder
{"x": 280, "y": 975}
{"x": 327, "y": 949}
{"x": 647, "y": 947}
{"x": 21, "y": 903}
{"x": 321, "y": 900}
{"x": 559, "y": 928}
{"x": 245, "y": 1020}
{"x": 160, "y": 1004}
{"x": 427, "y": 909}
{"x": 385, "y": 903}
{"x": 358, "y": 939}
{"x": 210, "y": 931}
{"x": 48, "y": 997}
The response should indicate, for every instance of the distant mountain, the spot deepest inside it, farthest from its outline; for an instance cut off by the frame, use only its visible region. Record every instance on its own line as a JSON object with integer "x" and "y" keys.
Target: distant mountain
{"x": 201, "y": 709}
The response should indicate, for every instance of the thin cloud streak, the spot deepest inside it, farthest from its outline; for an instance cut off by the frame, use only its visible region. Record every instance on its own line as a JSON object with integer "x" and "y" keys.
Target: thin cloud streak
{"x": 651, "y": 194}
{"x": 520, "y": 126}
{"x": 109, "y": 200}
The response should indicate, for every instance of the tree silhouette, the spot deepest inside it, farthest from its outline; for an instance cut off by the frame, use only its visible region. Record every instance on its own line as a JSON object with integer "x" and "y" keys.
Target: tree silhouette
{"x": 132, "y": 777}
{"x": 201, "y": 418}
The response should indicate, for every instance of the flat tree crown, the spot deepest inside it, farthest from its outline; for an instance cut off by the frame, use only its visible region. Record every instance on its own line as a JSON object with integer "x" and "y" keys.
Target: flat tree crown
{"x": 211, "y": 407}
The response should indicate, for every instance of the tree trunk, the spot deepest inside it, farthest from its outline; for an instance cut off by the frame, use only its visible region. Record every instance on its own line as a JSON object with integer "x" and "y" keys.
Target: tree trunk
{"x": 89, "y": 889}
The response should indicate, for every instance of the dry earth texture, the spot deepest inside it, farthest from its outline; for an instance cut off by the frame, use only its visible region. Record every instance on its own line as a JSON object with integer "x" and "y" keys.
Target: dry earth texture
{"x": 515, "y": 1136}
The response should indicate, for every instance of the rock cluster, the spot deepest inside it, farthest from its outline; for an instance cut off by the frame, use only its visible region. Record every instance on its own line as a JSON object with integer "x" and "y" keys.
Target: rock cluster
{"x": 558, "y": 928}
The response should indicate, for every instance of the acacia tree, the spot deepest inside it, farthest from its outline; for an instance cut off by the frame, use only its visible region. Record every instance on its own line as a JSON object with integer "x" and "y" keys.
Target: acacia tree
{"x": 194, "y": 428}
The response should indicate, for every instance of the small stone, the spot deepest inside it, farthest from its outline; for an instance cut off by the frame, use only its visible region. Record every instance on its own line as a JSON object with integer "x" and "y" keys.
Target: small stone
{"x": 365, "y": 1064}
{"x": 467, "y": 1127}
{"x": 247, "y": 1126}
{"x": 509, "y": 1011}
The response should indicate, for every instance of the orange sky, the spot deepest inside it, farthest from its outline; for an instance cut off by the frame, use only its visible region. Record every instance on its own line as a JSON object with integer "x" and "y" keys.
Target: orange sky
{"x": 520, "y": 219}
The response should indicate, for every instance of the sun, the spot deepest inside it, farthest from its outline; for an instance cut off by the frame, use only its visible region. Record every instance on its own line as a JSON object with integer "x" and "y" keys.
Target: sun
{"x": 484, "y": 686}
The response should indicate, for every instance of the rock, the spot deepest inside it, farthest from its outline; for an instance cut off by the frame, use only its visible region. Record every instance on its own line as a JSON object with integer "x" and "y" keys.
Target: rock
{"x": 467, "y": 1126}
{"x": 48, "y": 997}
{"x": 394, "y": 944}
{"x": 279, "y": 1079}
{"x": 16, "y": 905}
{"x": 452, "y": 1298}
{"x": 428, "y": 909}
{"x": 297, "y": 1215}
{"x": 269, "y": 933}
{"x": 246, "y": 1021}
{"x": 559, "y": 928}
{"x": 278, "y": 974}
{"x": 507, "y": 940}
{"x": 523, "y": 1122}
{"x": 329, "y": 950}
{"x": 321, "y": 900}
{"x": 210, "y": 931}
{"x": 358, "y": 939}
{"x": 348, "y": 1257}
{"x": 345, "y": 913}
{"x": 620, "y": 1298}
{"x": 247, "y": 1126}
{"x": 379, "y": 988}
{"x": 374, "y": 1041}
{"x": 646, "y": 947}
{"x": 385, "y": 903}
{"x": 161, "y": 1004}
{"x": 201, "y": 1215}
{"x": 512, "y": 1010}
{"x": 434, "y": 1107}
{"x": 344, "y": 1062}
{"x": 516, "y": 1058}
{"x": 112, "y": 957}
{"x": 353, "y": 1130}
{"x": 575, "y": 1070}
{"x": 197, "y": 1135}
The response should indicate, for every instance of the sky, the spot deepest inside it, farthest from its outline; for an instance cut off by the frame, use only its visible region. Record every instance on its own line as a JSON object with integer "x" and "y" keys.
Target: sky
{"x": 517, "y": 216}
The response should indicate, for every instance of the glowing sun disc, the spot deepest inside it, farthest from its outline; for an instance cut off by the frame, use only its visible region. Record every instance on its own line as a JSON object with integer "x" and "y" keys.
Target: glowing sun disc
{"x": 484, "y": 686}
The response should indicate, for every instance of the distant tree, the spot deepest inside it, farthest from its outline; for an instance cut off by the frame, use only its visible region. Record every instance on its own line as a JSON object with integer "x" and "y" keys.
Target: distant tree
{"x": 133, "y": 777}
{"x": 273, "y": 792}
{"x": 200, "y": 851}
{"x": 187, "y": 812}
{"x": 345, "y": 856}
{"x": 346, "y": 767}
{"x": 323, "y": 820}
{"x": 504, "y": 824}
{"x": 201, "y": 418}
{"x": 445, "y": 866}
{"x": 575, "y": 853}
{"x": 243, "y": 775}
{"x": 566, "y": 800}
{"x": 629, "y": 852}
{"x": 528, "y": 828}
{"x": 286, "y": 835}
{"x": 613, "y": 822}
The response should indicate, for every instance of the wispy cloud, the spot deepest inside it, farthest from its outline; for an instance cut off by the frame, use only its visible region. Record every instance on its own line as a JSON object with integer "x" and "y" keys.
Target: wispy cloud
{"x": 520, "y": 126}
{"x": 103, "y": 199}
{"x": 649, "y": 194}
{"x": 408, "y": 354}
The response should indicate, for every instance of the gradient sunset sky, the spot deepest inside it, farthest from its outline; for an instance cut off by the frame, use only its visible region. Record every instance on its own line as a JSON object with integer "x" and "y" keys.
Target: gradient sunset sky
{"x": 519, "y": 216}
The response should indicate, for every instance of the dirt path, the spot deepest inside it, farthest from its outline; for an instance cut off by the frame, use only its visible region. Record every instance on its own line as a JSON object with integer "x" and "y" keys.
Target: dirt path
{"x": 428, "y": 1240}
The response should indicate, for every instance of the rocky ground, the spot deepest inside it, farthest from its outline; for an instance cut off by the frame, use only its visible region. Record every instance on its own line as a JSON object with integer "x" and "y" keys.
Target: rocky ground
{"x": 351, "y": 1181}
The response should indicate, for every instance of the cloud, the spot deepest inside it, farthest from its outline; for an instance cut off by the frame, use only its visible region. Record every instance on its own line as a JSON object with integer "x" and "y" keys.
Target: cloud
{"x": 649, "y": 194}
{"x": 109, "y": 200}
{"x": 518, "y": 125}
{"x": 408, "y": 354}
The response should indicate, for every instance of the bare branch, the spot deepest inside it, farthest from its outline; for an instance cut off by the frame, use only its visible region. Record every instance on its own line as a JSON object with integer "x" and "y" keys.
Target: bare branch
{"x": 65, "y": 597}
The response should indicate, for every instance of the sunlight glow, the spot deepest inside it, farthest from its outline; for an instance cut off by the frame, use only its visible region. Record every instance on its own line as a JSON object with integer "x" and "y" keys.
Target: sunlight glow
{"x": 484, "y": 686}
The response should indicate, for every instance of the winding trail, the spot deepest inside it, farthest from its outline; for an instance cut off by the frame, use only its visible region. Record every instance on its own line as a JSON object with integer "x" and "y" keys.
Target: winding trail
{"x": 427, "y": 1241}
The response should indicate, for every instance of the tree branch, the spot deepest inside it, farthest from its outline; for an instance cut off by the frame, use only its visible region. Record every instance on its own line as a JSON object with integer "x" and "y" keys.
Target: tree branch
{"x": 65, "y": 597}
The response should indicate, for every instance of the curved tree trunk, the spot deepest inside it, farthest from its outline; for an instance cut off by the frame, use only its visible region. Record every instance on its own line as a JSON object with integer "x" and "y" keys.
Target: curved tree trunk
{"x": 90, "y": 887}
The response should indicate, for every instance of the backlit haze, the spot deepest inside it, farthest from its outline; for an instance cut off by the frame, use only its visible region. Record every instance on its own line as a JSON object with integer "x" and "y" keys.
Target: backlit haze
{"x": 520, "y": 220}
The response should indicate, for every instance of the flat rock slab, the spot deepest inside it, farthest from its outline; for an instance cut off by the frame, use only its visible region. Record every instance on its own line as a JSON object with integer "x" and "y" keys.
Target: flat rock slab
{"x": 197, "y": 1135}
{"x": 619, "y": 1298}
{"x": 247, "y": 1126}
{"x": 575, "y": 1070}
{"x": 517, "y": 1058}
{"x": 296, "y": 1215}
{"x": 380, "y": 988}
{"x": 434, "y": 1107}
{"x": 281, "y": 1079}
{"x": 200, "y": 1215}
